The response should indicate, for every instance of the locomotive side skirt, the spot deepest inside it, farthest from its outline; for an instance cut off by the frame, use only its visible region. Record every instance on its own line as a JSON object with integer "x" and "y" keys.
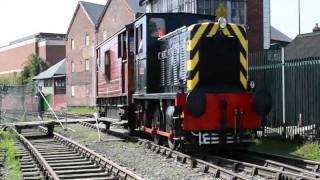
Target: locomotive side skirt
{"x": 198, "y": 31}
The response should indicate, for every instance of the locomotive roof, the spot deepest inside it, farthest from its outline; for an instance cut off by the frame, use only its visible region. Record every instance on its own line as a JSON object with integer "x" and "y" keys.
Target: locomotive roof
{"x": 172, "y": 14}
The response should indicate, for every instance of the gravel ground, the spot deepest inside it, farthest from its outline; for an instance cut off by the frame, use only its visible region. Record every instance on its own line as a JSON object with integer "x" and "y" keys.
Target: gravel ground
{"x": 132, "y": 155}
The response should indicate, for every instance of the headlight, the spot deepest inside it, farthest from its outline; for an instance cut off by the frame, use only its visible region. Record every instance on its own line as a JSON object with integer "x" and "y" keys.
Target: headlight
{"x": 222, "y": 22}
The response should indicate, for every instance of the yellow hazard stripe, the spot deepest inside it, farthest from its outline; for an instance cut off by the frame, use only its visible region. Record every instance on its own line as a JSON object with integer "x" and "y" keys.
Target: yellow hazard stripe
{"x": 192, "y": 83}
{"x": 214, "y": 29}
{"x": 191, "y": 64}
{"x": 226, "y": 32}
{"x": 243, "y": 80}
{"x": 190, "y": 28}
{"x": 194, "y": 41}
{"x": 243, "y": 61}
{"x": 240, "y": 36}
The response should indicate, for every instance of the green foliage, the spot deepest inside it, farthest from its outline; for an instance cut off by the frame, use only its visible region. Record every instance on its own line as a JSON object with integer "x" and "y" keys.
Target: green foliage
{"x": 81, "y": 110}
{"x": 14, "y": 79}
{"x": 33, "y": 67}
{"x": 12, "y": 164}
{"x": 288, "y": 148}
{"x": 221, "y": 10}
{"x": 309, "y": 151}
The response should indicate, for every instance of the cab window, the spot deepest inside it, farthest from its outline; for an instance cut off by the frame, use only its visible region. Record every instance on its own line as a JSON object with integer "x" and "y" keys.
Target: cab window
{"x": 157, "y": 27}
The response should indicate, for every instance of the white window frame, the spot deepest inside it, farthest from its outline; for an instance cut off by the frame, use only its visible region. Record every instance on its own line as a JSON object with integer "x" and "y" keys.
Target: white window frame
{"x": 72, "y": 91}
{"x": 87, "y": 40}
{"x": 72, "y": 44}
{"x": 104, "y": 35}
{"x": 73, "y": 67}
{"x": 87, "y": 65}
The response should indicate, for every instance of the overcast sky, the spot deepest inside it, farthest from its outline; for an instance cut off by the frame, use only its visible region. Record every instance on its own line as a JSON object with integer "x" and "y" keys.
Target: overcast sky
{"x": 19, "y": 18}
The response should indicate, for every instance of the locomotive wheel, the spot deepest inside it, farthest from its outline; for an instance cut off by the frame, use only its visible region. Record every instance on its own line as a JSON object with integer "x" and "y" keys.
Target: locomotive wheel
{"x": 173, "y": 144}
{"x": 132, "y": 124}
{"x": 156, "y": 122}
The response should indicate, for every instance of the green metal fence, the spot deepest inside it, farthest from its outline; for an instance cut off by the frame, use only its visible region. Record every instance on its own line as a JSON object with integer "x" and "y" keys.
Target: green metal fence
{"x": 301, "y": 89}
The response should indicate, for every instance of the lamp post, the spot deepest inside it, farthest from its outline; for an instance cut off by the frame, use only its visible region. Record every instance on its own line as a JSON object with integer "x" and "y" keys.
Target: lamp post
{"x": 299, "y": 17}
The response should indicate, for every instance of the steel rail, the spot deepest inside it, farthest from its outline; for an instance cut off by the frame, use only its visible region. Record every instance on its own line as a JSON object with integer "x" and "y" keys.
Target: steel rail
{"x": 47, "y": 170}
{"x": 108, "y": 164}
{"x": 217, "y": 171}
{"x": 253, "y": 169}
{"x": 312, "y": 166}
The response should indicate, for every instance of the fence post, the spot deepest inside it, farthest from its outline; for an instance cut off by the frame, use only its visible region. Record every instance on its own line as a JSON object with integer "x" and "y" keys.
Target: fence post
{"x": 283, "y": 90}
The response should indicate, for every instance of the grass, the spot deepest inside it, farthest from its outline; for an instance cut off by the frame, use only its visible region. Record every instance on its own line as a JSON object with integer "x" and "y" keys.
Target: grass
{"x": 309, "y": 151}
{"x": 81, "y": 110}
{"x": 12, "y": 164}
{"x": 12, "y": 79}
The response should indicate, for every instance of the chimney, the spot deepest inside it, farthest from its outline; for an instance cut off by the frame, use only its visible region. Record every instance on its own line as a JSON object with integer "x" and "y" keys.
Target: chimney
{"x": 316, "y": 28}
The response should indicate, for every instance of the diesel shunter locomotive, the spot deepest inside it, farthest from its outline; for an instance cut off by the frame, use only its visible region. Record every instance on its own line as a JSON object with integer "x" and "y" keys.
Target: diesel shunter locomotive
{"x": 181, "y": 78}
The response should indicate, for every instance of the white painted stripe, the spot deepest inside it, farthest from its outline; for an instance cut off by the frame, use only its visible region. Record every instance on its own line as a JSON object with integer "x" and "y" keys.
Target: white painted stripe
{"x": 23, "y": 43}
{"x": 11, "y": 71}
{"x": 52, "y": 43}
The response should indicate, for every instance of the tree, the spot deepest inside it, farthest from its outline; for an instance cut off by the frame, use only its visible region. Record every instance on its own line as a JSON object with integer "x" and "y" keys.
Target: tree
{"x": 33, "y": 67}
{"x": 221, "y": 10}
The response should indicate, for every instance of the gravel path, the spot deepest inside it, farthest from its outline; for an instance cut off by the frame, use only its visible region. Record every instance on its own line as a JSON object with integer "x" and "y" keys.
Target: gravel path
{"x": 133, "y": 156}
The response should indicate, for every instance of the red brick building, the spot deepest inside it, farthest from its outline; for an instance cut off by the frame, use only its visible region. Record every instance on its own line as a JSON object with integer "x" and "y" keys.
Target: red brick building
{"x": 91, "y": 25}
{"x": 49, "y": 46}
{"x": 80, "y": 65}
{"x": 253, "y": 14}
{"x": 117, "y": 14}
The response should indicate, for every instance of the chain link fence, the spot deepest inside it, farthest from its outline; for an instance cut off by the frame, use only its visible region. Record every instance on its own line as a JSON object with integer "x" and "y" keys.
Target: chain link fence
{"x": 19, "y": 103}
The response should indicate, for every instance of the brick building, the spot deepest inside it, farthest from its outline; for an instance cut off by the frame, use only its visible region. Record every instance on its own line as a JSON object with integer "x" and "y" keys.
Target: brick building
{"x": 52, "y": 83}
{"x": 91, "y": 25}
{"x": 117, "y": 14}
{"x": 49, "y": 46}
{"x": 80, "y": 65}
{"x": 253, "y": 14}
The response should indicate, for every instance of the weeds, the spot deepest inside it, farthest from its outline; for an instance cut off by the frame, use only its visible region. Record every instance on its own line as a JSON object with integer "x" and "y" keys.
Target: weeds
{"x": 12, "y": 164}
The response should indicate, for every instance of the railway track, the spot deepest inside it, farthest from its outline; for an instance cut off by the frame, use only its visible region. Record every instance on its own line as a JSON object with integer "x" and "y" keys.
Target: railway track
{"x": 278, "y": 161}
{"x": 60, "y": 158}
{"x": 268, "y": 171}
{"x": 2, "y": 161}
{"x": 221, "y": 167}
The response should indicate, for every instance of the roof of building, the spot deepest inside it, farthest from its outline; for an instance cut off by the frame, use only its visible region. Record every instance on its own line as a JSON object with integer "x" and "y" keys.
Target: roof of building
{"x": 56, "y": 70}
{"x": 40, "y": 35}
{"x": 304, "y": 46}
{"x": 277, "y": 35}
{"x": 92, "y": 10}
{"x": 133, "y": 4}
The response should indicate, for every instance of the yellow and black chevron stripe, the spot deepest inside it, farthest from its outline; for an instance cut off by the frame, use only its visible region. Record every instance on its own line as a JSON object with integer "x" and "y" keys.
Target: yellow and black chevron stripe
{"x": 197, "y": 31}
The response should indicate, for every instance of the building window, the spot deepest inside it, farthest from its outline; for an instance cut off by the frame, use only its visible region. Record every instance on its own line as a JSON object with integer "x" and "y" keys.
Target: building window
{"x": 87, "y": 40}
{"x": 72, "y": 44}
{"x": 72, "y": 91}
{"x": 139, "y": 39}
{"x": 107, "y": 64}
{"x": 87, "y": 91}
{"x": 104, "y": 35}
{"x": 60, "y": 84}
{"x": 72, "y": 66}
{"x": 47, "y": 82}
{"x": 122, "y": 45}
{"x": 87, "y": 65}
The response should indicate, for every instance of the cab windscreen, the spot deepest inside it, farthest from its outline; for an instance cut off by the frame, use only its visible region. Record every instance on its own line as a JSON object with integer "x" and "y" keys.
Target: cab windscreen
{"x": 219, "y": 66}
